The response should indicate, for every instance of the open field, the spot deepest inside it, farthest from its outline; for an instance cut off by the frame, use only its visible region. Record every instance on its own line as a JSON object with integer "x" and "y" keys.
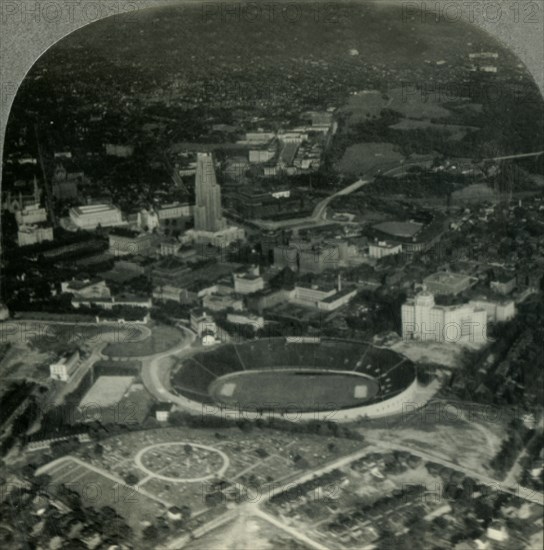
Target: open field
{"x": 369, "y": 158}
{"x": 162, "y": 338}
{"x": 413, "y": 103}
{"x": 456, "y": 131}
{"x": 364, "y": 105}
{"x": 107, "y": 391}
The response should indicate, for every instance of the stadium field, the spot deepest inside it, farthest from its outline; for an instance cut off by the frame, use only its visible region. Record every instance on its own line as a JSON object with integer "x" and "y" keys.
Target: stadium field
{"x": 293, "y": 390}
{"x": 293, "y": 376}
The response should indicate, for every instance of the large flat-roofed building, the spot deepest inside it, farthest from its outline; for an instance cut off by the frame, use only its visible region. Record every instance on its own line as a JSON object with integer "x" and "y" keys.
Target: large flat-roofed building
{"x": 423, "y": 320}
{"x": 125, "y": 242}
{"x": 91, "y": 216}
{"x": 445, "y": 282}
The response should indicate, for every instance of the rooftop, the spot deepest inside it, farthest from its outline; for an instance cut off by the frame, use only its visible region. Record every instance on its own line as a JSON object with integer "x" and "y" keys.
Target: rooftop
{"x": 399, "y": 229}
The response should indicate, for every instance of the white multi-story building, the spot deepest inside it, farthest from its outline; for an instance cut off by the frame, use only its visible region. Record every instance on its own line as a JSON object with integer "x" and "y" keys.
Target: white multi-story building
{"x": 91, "y": 216}
{"x": 202, "y": 323}
{"x": 497, "y": 311}
{"x": 33, "y": 234}
{"x": 147, "y": 219}
{"x": 382, "y": 248}
{"x": 422, "y": 319}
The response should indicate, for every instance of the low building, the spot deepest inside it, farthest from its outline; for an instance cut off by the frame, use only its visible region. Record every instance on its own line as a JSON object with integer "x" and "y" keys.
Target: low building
{"x": 162, "y": 411}
{"x": 222, "y": 238}
{"x": 201, "y": 322}
{"x": 246, "y": 318}
{"x": 169, "y": 246}
{"x": 121, "y": 151}
{"x": 174, "y": 216}
{"x": 121, "y": 300}
{"x": 164, "y": 293}
{"x": 34, "y": 234}
{"x": 94, "y": 288}
{"x": 337, "y": 300}
{"x": 94, "y": 215}
{"x": 222, "y": 302}
{"x": 248, "y": 282}
{"x": 31, "y": 214}
{"x": 65, "y": 367}
{"x": 504, "y": 284}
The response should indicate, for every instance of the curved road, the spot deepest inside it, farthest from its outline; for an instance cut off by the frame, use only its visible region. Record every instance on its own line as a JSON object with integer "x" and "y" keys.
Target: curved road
{"x": 156, "y": 373}
{"x": 318, "y": 214}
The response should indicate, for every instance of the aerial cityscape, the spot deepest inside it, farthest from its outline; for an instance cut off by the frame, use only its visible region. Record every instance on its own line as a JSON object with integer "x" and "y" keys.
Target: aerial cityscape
{"x": 273, "y": 280}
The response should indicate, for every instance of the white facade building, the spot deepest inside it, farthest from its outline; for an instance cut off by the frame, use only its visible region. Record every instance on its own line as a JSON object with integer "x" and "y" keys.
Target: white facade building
{"x": 248, "y": 282}
{"x": 497, "y": 312}
{"x": 90, "y": 217}
{"x": 245, "y": 318}
{"x": 31, "y": 214}
{"x": 423, "y": 320}
{"x": 382, "y": 248}
{"x": 33, "y": 234}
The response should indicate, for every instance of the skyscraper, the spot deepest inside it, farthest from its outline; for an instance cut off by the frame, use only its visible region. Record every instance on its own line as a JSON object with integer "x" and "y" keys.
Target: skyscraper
{"x": 208, "y": 196}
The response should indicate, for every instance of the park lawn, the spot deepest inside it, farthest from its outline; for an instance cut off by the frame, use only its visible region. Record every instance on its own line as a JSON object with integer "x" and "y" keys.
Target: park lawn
{"x": 162, "y": 339}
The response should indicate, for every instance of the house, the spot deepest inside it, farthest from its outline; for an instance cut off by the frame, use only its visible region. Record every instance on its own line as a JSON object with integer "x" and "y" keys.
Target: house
{"x": 163, "y": 410}
{"x": 65, "y": 367}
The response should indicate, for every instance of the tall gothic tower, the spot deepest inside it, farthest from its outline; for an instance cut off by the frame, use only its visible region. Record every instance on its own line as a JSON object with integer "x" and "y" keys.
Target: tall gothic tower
{"x": 208, "y": 196}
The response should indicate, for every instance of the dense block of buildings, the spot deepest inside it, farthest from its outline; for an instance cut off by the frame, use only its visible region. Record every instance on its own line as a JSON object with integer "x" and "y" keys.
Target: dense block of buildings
{"x": 423, "y": 320}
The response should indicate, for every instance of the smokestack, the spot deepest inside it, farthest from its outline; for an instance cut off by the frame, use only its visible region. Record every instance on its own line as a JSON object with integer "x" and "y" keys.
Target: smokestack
{"x": 339, "y": 284}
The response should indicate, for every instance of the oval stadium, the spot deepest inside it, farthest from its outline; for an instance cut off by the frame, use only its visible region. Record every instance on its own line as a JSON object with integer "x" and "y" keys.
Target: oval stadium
{"x": 297, "y": 377}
